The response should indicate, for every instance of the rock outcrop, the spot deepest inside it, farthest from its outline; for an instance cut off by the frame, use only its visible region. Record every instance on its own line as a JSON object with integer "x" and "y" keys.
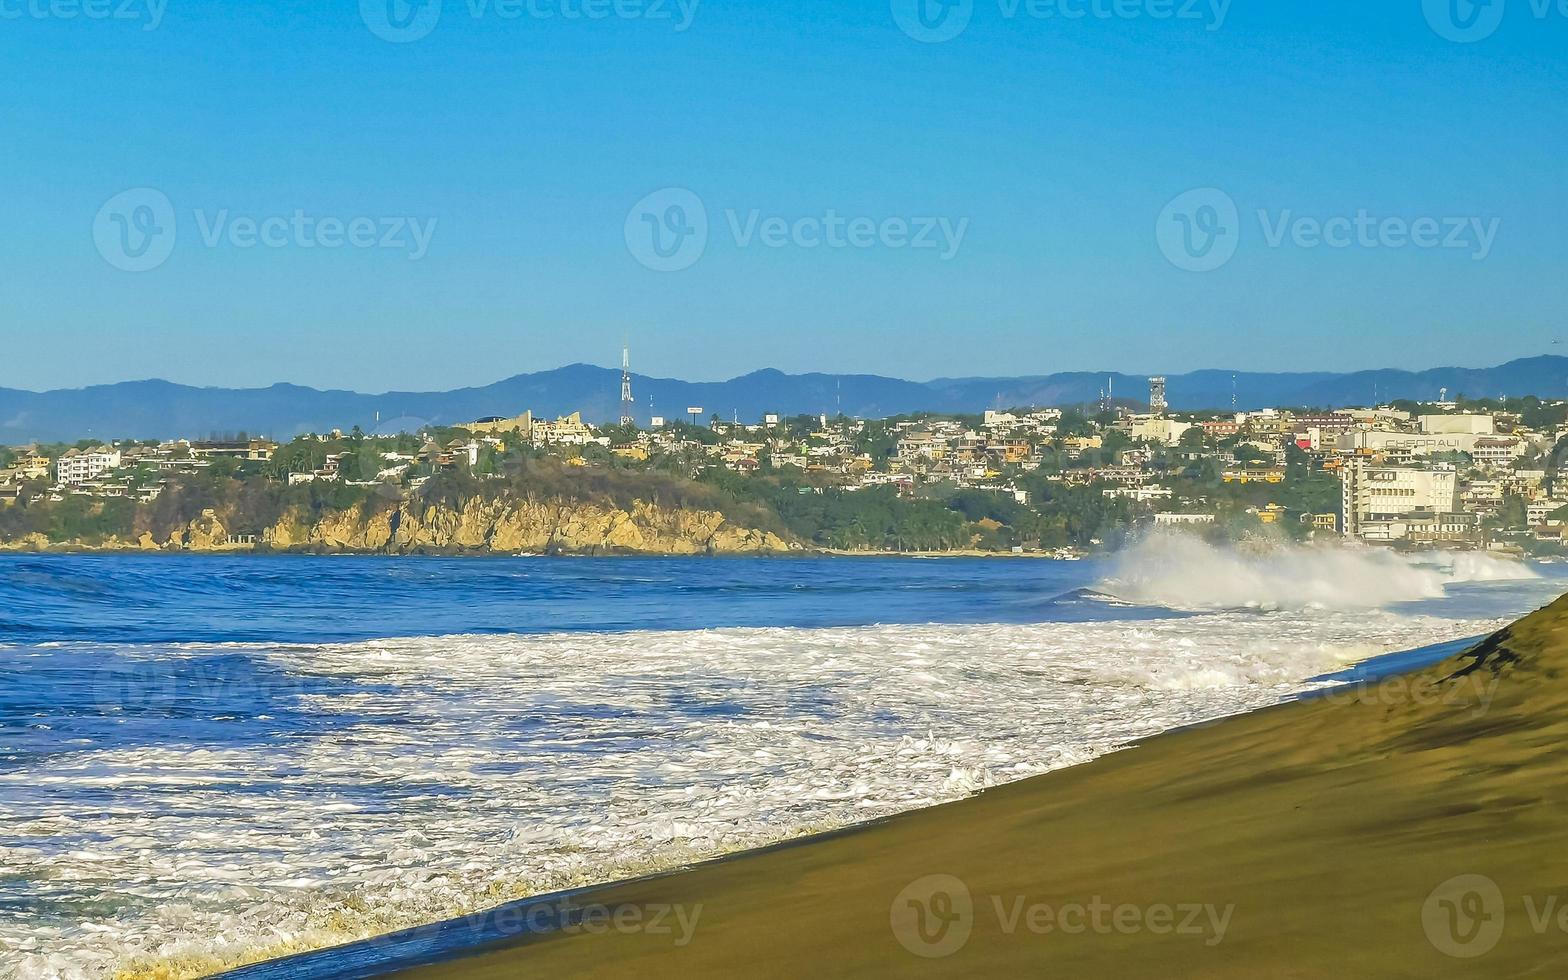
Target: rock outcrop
{"x": 484, "y": 526}
{"x": 503, "y": 526}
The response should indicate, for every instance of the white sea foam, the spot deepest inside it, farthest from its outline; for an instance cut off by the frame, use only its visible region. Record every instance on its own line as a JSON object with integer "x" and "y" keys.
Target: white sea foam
{"x": 471, "y": 770}
{"x": 1182, "y": 571}
{"x": 1470, "y": 566}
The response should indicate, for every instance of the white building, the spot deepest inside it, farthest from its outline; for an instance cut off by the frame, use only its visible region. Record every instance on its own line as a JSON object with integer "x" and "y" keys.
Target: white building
{"x": 1364, "y": 441}
{"x": 1165, "y": 431}
{"x": 1447, "y": 528}
{"x": 79, "y": 466}
{"x": 1142, "y": 495}
{"x": 1450, "y": 425}
{"x": 1538, "y": 512}
{"x": 1377, "y": 493}
{"x": 1168, "y": 520}
{"x": 1499, "y": 453}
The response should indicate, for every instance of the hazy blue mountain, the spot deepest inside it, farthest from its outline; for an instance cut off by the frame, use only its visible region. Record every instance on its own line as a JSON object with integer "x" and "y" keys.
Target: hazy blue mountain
{"x": 159, "y": 409}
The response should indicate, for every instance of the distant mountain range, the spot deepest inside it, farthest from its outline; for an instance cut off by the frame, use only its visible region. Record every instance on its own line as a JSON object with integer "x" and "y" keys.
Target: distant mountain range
{"x": 160, "y": 409}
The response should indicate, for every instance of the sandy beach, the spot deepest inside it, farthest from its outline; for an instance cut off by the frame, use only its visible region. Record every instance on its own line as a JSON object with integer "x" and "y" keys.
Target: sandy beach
{"x": 1409, "y": 828}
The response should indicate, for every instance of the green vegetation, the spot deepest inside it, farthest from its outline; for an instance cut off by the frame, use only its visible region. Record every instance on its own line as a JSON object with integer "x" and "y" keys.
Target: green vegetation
{"x": 936, "y": 518}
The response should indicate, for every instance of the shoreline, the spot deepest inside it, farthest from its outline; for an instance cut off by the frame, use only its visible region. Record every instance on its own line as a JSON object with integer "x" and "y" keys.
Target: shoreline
{"x": 508, "y": 933}
{"x": 1365, "y": 817}
{"x": 259, "y": 552}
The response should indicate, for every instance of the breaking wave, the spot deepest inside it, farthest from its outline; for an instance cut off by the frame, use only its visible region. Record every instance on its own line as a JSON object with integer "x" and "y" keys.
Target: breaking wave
{"x": 1182, "y": 571}
{"x": 1469, "y": 566}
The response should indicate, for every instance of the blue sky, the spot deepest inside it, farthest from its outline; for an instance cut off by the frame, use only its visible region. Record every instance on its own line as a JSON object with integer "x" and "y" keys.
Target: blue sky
{"x": 1010, "y": 185}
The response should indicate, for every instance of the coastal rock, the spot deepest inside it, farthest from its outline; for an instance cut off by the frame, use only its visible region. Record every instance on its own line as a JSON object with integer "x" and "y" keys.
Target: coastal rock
{"x": 509, "y": 526}
{"x": 501, "y": 525}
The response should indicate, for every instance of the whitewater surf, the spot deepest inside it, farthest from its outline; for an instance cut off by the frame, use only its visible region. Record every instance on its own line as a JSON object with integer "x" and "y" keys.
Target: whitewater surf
{"x": 171, "y": 800}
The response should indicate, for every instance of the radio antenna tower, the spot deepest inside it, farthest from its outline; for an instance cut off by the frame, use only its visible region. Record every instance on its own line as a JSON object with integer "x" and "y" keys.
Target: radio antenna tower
{"x": 628, "y": 404}
{"x": 1157, "y": 403}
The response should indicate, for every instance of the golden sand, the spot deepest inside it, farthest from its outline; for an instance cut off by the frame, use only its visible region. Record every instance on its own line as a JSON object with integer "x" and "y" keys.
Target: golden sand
{"x": 1413, "y": 828}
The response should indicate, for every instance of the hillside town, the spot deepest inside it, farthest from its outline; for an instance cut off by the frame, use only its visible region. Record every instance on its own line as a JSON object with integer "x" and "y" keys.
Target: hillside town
{"x": 1450, "y": 472}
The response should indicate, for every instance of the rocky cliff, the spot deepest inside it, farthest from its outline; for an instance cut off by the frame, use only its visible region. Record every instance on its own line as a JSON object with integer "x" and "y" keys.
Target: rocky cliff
{"x": 495, "y": 526}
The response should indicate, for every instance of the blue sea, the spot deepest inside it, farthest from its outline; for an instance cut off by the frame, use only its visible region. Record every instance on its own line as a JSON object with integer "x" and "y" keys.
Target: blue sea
{"x": 205, "y": 761}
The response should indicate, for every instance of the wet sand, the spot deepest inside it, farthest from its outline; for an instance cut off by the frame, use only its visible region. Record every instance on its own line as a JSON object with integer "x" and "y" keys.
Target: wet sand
{"x": 1320, "y": 838}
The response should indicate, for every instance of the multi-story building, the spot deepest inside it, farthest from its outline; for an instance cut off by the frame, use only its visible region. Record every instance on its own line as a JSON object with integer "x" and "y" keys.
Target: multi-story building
{"x": 33, "y": 466}
{"x": 921, "y": 445}
{"x": 1076, "y": 446}
{"x": 568, "y": 431}
{"x": 1332, "y": 422}
{"x": 1373, "y": 494}
{"x": 1539, "y": 512}
{"x": 1141, "y": 494}
{"x": 1168, "y": 520}
{"x": 1364, "y": 442}
{"x": 257, "y": 450}
{"x": 1221, "y": 428}
{"x": 1157, "y": 429}
{"x": 1009, "y": 450}
{"x": 79, "y": 466}
{"x": 523, "y": 425}
{"x": 1498, "y": 453}
{"x": 1255, "y": 474}
{"x": 1469, "y": 425}
{"x": 1423, "y": 528}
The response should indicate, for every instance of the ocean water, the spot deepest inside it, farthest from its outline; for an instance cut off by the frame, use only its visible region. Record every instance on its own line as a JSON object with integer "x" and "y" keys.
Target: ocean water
{"x": 204, "y": 761}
